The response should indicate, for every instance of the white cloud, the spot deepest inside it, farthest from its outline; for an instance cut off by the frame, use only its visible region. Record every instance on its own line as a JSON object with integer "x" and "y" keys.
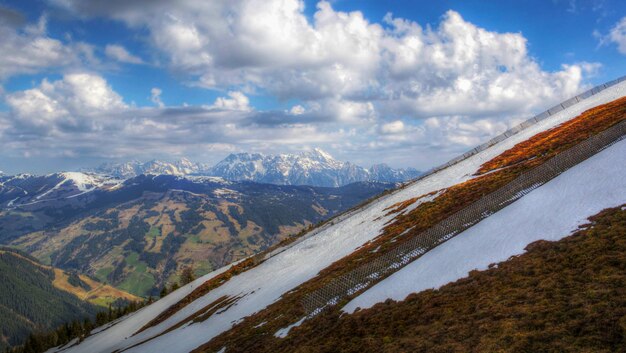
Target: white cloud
{"x": 65, "y": 101}
{"x": 461, "y": 131}
{"x": 155, "y": 97}
{"x": 28, "y": 49}
{"x": 237, "y": 101}
{"x": 119, "y": 53}
{"x": 618, "y": 35}
{"x": 403, "y": 69}
{"x": 394, "y": 127}
{"x": 297, "y": 110}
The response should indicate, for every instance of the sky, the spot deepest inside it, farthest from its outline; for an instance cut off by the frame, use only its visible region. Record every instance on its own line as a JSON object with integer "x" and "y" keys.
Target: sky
{"x": 407, "y": 83}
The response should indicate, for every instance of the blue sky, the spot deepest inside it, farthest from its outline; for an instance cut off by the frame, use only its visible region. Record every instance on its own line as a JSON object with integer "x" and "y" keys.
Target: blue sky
{"x": 408, "y": 83}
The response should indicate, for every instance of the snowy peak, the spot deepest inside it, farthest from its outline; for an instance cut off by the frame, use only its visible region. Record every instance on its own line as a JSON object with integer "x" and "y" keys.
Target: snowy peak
{"x": 315, "y": 167}
{"x": 319, "y": 155}
{"x": 385, "y": 172}
{"x": 25, "y": 189}
{"x": 133, "y": 168}
{"x": 86, "y": 181}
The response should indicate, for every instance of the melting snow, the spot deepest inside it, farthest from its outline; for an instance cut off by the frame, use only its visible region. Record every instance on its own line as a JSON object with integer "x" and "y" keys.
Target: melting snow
{"x": 549, "y": 212}
{"x": 283, "y": 332}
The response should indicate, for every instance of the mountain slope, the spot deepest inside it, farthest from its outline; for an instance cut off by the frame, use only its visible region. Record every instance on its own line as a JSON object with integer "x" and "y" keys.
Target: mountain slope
{"x": 37, "y": 297}
{"x": 569, "y": 304}
{"x": 256, "y": 304}
{"x": 141, "y": 233}
{"x": 29, "y": 190}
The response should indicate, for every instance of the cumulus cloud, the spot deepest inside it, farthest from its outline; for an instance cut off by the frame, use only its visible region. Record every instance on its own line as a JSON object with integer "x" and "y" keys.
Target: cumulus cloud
{"x": 28, "y": 49}
{"x": 155, "y": 97}
{"x": 119, "y": 53}
{"x": 402, "y": 68}
{"x": 66, "y": 102}
{"x": 297, "y": 110}
{"x": 82, "y": 115}
{"x": 393, "y": 127}
{"x": 237, "y": 101}
{"x": 618, "y": 35}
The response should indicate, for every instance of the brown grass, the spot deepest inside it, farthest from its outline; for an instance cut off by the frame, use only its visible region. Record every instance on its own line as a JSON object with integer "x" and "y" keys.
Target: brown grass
{"x": 98, "y": 293}
{"x": 567, "y": 135}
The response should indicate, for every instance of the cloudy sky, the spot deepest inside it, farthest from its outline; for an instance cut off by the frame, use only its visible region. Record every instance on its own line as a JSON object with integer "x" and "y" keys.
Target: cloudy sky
{"x": 408, "y": 83}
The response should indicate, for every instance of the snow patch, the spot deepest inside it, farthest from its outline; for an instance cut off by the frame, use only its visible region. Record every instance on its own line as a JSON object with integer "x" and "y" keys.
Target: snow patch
{"x": 549, "y": 212}
{"x": 283, "y": 332}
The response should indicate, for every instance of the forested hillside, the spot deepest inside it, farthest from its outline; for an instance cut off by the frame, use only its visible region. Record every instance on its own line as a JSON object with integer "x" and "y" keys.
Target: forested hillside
{"x": 30, "y": 302}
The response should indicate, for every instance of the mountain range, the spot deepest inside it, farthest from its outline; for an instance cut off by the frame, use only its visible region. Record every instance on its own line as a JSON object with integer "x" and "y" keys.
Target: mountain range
{"x": 315, "y": 167}
{"x": 139, "y": 233}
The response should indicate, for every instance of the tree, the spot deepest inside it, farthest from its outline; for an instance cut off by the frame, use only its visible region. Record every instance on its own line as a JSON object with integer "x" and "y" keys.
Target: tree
{"x": 174, "y": 287}
{"x": 187, "y": 275}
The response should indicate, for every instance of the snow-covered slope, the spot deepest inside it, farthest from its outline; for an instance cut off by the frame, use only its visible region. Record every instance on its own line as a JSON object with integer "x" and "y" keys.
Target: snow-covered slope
{"x": 549, "y": 212}
{"x": 261, "y": 286}
{"x": 25, "y": 189}
{"x": 129, "y": 324}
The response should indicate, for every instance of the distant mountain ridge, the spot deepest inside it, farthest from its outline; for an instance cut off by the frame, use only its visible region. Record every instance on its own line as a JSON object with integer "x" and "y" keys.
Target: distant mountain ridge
{"x": 138, "y": 234}
{"x": 134, "y": 168}
{"x": 315, "y": 168}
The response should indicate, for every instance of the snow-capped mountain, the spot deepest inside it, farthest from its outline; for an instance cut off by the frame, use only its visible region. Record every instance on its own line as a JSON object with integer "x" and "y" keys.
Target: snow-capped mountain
{"x": 26, "y": 189}
{"x": 134, "y": 168}
{"x": 314, "y": 167}
{"x": 260, "y": 304}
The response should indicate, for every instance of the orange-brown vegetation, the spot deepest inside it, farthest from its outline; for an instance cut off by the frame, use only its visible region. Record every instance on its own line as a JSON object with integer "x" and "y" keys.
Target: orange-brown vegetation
{"x": 527, "y": 155}
{"x": 97, "y": 293}
{"x": 567, "y": 135}
{"x": 400, "y": 206}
